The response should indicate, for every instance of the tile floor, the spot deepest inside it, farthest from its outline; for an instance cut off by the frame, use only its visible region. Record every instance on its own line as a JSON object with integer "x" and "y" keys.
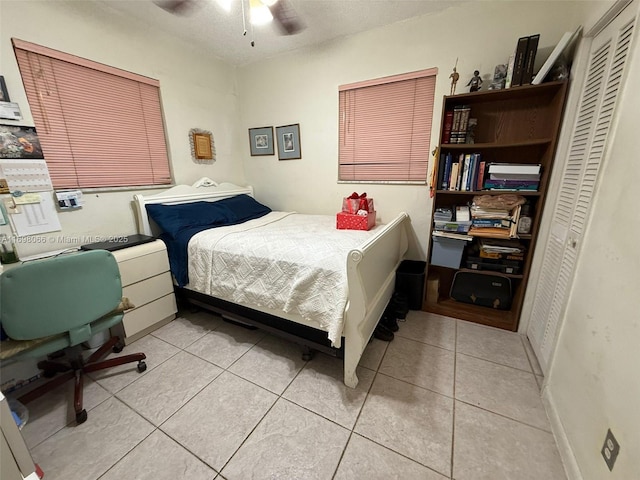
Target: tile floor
{"x": 444, "y": 399}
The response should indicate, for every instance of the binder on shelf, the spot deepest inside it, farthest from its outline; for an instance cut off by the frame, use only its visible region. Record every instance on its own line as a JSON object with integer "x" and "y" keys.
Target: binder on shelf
{"x": 515, "y": 168}
{"x": 532, "y": 49}
{"x": 518, "y": 67}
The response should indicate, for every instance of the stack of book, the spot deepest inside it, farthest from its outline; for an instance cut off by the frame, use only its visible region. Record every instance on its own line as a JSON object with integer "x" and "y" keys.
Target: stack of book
{"x": 513, "y": 176}
{"x": 455, "y": 124}
{"x": 494, "y": 222}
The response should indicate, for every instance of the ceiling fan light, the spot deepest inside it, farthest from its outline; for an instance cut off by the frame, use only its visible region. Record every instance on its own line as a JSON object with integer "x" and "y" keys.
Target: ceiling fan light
{"x": 260, "y": 15}
{"x": 225, "y": 4}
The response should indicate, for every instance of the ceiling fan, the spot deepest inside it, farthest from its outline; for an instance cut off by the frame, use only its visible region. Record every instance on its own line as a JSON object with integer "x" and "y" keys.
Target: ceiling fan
{"x": 282, "y": 12}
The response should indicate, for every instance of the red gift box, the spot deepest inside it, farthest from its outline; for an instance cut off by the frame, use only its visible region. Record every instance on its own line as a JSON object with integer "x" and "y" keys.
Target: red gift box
{"x": 357, "y": 202}
{"x": 348, "y": 221}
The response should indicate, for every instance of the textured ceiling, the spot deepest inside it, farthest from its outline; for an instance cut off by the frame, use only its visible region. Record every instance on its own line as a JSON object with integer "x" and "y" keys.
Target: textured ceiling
{"x": 220, "y": 32}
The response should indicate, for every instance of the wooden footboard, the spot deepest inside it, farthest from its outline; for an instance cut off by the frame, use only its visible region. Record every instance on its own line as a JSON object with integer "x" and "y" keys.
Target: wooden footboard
{"x": 371, "y": 273}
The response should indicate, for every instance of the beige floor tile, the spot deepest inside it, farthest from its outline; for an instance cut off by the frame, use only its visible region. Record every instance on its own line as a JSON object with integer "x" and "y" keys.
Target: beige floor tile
{"x": 373, "y": 353}
{"x": 226, "y": 344}
{"x": 187, "y": 328}
{"x": 493, "y": 344}
{"x": 159, "y": 458}
{"x": 289, "y": 443}
{"x": 410, "y": 420}
{"x": 272, "y": 363}
{"x": 217, "y": 420}
{"x": 429, "y": 328}
{"x": 368, "y": 460}
{"x": 491, "y": 447}
{"x": 54, "y": 410}
{"x": 420, "y": 364}
{"x": 159, "y": 394}
{"x": 320, "y": 388}
{"x": 116, "y": 378}
{"x": 86, "y": 451}
{"x": 500, "y": 389}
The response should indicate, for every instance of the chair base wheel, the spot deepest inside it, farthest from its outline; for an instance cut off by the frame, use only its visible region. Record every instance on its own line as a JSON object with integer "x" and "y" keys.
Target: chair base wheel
{"x": 81, "y": 417}
{"x": 118, "y": 347}
{"x": 142, "y": 366}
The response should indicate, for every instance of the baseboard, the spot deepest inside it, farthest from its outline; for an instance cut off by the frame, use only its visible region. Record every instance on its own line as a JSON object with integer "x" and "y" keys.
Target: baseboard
{"x": 562, "y": 441}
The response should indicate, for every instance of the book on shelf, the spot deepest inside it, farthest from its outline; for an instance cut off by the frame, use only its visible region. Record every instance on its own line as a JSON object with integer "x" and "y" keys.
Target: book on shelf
{"x": 461, "y": 134}
{"x": 453, "y": 181}
{"x": 455, "y": 236}
{"x": 518, "y": 67}
{"x": 447, "y": 126}
{"x": 528, "y": 185}
{"x": 448, "y": 162}
{"x": 455, "y": 124}
{"x": 465, "y": 172}
{"x": 491, "y": 222}
{"x": 441, "y": 169}
{"x": 532, "y": 49}
{"x": 515, "y": 168}
{"x": 480, "y": 179}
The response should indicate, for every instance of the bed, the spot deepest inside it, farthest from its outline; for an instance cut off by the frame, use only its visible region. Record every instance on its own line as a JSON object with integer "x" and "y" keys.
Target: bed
{"x": 291, "y": 274}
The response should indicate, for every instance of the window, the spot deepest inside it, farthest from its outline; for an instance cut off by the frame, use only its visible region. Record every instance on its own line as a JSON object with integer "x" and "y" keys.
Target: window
{"x": 99, "y": 126}
{"x": 385, "y": 128}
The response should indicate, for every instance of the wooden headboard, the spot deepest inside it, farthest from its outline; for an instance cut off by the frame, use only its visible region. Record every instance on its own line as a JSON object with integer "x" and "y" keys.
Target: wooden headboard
{"x": 204, "y": 189}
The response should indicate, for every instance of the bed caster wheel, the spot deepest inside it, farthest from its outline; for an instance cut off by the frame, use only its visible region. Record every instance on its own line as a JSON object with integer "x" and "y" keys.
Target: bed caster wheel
{"x": 118, "y": 347}
{"x": 142, "y": 366}
{"x": 81, "y": 417}
{"x": 307, "y": 354}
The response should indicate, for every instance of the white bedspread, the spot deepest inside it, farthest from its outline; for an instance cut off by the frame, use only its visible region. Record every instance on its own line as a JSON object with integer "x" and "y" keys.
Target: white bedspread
{"x": 289, "y": 262}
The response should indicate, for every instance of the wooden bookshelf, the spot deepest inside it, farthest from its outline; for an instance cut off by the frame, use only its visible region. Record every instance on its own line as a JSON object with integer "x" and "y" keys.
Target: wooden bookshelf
{"x": 516, "y": 125}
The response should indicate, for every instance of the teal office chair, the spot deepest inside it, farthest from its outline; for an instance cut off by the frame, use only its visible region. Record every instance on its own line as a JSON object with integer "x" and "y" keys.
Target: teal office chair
{"x": 57, "y": 304}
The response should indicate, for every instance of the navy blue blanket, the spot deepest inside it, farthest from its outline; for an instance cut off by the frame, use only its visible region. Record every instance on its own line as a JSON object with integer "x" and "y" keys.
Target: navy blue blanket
{"x": 181, "y": 222}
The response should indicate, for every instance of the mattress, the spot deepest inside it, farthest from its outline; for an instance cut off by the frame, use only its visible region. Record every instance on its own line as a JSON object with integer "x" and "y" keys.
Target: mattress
{"x": 284, "y": 261}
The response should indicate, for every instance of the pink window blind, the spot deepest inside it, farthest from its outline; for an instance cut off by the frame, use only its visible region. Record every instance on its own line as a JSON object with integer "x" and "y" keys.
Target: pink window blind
{"x": 385, "y": 128}
{"x": 99, "y": 126}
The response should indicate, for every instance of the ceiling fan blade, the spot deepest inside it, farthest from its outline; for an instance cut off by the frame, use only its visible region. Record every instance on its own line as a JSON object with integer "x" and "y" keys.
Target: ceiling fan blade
{"x": 286, "y": 17}
{"x": 176, "y": 7}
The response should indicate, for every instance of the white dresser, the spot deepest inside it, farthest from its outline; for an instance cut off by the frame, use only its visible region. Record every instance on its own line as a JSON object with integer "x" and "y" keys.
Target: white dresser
{"x": 146, "y": 281}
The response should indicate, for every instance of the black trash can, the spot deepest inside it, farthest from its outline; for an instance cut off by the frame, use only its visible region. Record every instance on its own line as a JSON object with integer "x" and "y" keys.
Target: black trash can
{"x": 410, "y": 277}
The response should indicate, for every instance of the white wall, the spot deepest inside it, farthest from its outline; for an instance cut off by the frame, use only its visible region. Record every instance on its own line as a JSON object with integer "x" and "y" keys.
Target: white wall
{"x": 302, "y": 88}
{"x": 594, "y": 379}
{"x": 195, "y": 94}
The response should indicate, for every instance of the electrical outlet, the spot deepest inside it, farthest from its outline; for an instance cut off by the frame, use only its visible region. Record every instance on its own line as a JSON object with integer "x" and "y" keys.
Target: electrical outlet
{"x": 610, "y": 450}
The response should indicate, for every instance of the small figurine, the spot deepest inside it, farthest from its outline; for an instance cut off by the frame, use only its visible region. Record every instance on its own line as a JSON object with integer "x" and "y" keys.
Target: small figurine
{"x": 454, "y": 78}
{"x": 475, "y": 82}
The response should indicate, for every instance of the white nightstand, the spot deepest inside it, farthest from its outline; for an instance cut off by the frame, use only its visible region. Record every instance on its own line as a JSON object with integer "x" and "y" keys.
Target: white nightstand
{"x": 146, "y": 281}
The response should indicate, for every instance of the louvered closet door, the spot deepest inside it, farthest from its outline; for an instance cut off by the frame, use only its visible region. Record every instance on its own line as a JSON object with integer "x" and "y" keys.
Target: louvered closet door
{"x": 607, "y": 59}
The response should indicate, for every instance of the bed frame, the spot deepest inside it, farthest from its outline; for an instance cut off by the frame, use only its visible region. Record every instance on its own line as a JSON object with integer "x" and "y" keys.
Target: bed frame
{"x": 371, "y": 273}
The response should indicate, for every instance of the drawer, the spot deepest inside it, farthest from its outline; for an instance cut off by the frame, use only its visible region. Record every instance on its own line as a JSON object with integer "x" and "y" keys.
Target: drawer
{"x": 148, "y": 290}
{"x": 146, "y": 316}
{"x": 138, "y": 268}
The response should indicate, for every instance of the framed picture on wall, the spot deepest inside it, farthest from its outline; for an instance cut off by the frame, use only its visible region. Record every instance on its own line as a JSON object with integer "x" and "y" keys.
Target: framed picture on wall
{"x": 261, "y": 141}
{"x": 289, "y": 142}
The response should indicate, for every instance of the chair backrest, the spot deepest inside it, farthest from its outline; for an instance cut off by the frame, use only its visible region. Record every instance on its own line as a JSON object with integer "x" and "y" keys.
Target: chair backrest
{"x": 60, "y": 294}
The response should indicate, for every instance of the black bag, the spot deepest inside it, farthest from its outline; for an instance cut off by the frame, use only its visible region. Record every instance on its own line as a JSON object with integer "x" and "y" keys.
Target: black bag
{"x": 481, "y": 289}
